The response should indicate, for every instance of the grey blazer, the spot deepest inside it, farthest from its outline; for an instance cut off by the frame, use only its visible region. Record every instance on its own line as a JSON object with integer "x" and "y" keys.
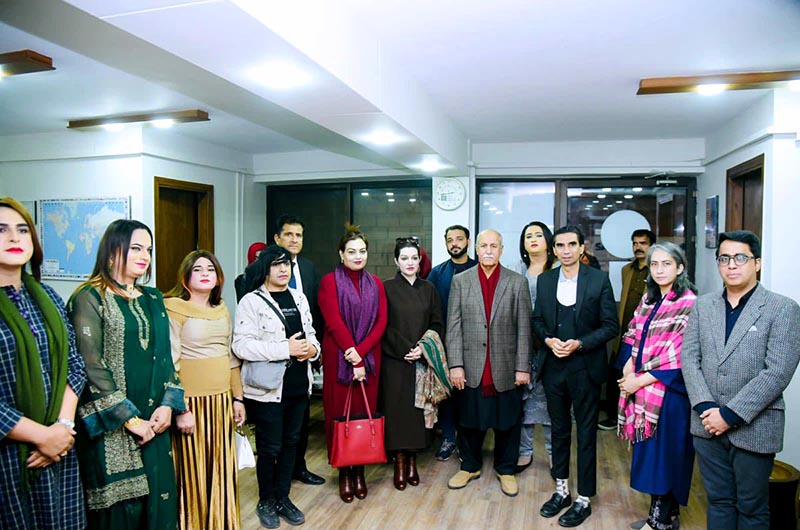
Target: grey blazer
{"x": 750, "y": 372}
{"x": 509, "y": 328}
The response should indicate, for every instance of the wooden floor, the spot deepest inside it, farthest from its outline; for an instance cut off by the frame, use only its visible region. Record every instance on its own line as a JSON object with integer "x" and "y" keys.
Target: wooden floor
{"x": 481, "y": 505}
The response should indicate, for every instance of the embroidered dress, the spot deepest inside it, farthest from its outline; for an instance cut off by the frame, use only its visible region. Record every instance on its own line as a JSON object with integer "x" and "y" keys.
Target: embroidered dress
{"x": 125, "y": 344}
{"x": 55, "y": 500}
{"x": 205, "y": 462}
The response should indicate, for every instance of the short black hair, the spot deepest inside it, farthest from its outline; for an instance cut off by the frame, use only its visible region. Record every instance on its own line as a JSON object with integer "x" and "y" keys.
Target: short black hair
{"x": 643, "y": 232}
{"x": 569, "y": 229}
{"x": 742, "y": 236}
{"x": 456, "y": 227}
{"x": 288, "y": 219}
{"x": 257, "y": 272}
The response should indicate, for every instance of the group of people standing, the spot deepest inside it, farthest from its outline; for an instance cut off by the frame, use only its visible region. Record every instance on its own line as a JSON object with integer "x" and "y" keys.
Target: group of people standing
{"x": 89, "y": 391}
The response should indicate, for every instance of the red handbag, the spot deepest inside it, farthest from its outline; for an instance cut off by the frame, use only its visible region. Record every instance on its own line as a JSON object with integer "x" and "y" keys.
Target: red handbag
{"x": 357, "y": 439}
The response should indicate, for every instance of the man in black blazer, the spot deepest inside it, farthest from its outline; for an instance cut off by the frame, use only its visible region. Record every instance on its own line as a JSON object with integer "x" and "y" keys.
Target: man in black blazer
{"x": 574, "y": 316}
{"x": 289, "y": 235}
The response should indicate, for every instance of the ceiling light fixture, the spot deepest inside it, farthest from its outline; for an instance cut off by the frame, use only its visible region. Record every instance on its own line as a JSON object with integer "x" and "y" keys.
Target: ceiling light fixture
{"x": 636, "y": 189}
{"x": 158, "y": 119}
{"x": 606, "y": 189}
{"x": 628, "y": 197}
{"x": 740, "y": 81}
{"x": 24, "y": 62}
{"x": 280, "y": 75}
{"x": 430, "y": 165}
{"x": 712, "y": 89}
{"x": 601, "y": 196}
{"x": 383, "y": 137}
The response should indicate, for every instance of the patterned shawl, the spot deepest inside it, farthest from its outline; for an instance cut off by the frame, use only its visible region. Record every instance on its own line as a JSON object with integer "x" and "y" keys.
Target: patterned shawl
{"x": 432, "y": 381}
{"x": 638, "y": 412}
{"x": 359, "y": 310}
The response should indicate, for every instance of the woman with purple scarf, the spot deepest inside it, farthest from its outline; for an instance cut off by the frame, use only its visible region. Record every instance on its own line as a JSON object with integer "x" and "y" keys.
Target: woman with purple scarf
{"x": 653, "y": 406}
{"x": 353, "y": 305}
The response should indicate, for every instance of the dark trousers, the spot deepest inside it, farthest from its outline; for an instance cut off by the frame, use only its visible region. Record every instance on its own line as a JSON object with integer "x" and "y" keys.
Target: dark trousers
{"x": 506, "y": 449}
{"x": 574, "y": 389}
{"x": 277, "y": 432}
{"x": 447, "y": 419}
{"x": 302, "y": 441}
{"x": 736, "y": 482}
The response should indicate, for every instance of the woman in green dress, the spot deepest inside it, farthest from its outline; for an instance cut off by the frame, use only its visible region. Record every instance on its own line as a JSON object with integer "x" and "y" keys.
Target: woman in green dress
{"x": 126, "y": 409}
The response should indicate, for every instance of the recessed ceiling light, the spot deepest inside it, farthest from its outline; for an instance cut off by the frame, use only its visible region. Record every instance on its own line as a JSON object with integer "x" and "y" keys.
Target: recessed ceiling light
{"x": 609, "y": 205}
{"x": 389, "y": 193}
{"x": 711, "y": 89}
{"x": 486, "y": 203}
{"x": 280, "y": 75}
{"x": 637, "y": 189}
{"x": 383, "y": 137}
{"x": 618, "y": 202}
{"x": 430, "y": 165}
{"x": 606, "y": 189}
{"x": 499, "y": 212}
{"x": 492, "y": 208}
{"x": 601, "y": 196}
{"x": 629, "y": 196}
{"x": 163, "y": 124}
{"x": 114, "y": 127}
{"x": 412, "y": 199}
{"x": 365, "y": 194}
{"x": 596, "y": 202}
{"x": 390, "y": 200}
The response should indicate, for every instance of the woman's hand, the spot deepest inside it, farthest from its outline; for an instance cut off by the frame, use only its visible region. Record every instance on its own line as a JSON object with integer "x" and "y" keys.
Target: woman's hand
{"x": 185, "y": 423}
{"x": 359, "y": 374}
{"x": 57, "y": 439}
{"x": 142, "y": 429}
{"x": 629, "y": 383}
{"x": 38, "y": 460}
{"x": 413, "y": 354}
{"x": 161, "y": 419}
{"x": 239, "y": 414}
{"x": 352, "y": 356}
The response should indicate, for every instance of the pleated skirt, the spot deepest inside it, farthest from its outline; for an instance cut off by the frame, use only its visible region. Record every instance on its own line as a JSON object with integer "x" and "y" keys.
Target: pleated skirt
{"x": 205, "y": 464}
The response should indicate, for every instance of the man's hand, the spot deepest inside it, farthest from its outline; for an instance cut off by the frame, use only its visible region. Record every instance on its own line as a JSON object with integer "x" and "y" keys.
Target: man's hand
{"x": 559, "y": 348}
{"x": 713, "y": 422}
{"x": 457, "y": 378}
{"x": 522, "y": 378}
{"x": 298, "y": 347}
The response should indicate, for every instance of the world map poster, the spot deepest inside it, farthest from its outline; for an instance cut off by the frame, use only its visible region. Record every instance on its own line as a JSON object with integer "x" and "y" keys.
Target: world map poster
{"x": 70, "y": 231}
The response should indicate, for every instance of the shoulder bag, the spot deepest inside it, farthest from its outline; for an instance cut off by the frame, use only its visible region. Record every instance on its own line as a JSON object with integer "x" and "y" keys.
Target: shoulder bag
{"x": 358, "y": 439}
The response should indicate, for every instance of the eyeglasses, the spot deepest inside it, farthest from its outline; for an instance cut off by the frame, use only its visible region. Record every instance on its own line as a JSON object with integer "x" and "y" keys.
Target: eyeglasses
{"x": 739, "y": 259}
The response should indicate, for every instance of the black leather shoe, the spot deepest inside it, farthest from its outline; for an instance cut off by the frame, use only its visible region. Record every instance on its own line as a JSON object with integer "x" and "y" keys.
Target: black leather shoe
{"x": 307, "y": 477}
{"x": 291, "y": 513}
{"x": 556, "y": 503}
{"x": 577, "y": 514}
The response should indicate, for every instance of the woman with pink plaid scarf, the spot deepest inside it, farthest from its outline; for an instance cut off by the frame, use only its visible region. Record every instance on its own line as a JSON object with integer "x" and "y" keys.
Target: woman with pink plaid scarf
{"x": 654, "y": 407}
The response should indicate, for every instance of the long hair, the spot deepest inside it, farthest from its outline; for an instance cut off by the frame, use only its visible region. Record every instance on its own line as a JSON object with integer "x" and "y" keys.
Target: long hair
{"x": 682, "y": 282}
{"x": 351, "y": 233}
{"x": 181, "y": 289}
{"x": 548, "y": 237}
{"x": 114, "y": 245}
{"x": 37, "y": 256}
{"x": 256, "y": 274}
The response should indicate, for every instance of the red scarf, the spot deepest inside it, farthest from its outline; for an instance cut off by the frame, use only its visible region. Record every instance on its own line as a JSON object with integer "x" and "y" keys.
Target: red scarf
{"x": 488, "y": 287}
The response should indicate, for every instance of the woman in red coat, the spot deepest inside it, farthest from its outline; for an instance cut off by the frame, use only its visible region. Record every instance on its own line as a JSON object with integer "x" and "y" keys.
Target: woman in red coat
{"x": 353, "y": 305}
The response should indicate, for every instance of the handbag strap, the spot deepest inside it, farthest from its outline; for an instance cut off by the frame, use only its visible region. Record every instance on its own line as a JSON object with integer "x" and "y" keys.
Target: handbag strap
{"x": 277, "y": 311}
{"x": 348, "y": 401}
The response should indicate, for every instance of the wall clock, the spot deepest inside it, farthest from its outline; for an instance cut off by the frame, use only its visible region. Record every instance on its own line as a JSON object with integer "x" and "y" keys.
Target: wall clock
{"x": 449, "y": 194}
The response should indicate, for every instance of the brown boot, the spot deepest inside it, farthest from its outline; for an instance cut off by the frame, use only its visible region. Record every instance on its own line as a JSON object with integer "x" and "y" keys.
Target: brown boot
{"x": 360, "y": 482}
{"x": 346, "y": 489}
{"x": 400, "y": 471}
{"x": 413, "y": 474}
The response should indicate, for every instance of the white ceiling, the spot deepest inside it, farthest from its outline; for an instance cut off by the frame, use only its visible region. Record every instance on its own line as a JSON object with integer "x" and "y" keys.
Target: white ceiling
{"x": 438, "y": 72}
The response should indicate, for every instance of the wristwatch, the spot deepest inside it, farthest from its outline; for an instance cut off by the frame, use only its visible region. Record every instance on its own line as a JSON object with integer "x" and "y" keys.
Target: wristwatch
{"x": 67, "y": 422}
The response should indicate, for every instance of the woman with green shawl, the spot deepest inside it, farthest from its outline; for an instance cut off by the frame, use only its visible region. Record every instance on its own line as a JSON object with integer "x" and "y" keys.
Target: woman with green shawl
{"x": 41, "y": 376}
{"x": 123, "y": 335}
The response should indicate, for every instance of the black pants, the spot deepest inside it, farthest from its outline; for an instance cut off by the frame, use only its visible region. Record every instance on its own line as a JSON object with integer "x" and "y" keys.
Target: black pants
{"x": 302, "y": 441}
{"x": 736, "y": 482}
{"x": 566, "y": 388}
{"x": 663, "y": 510}
{"x": 506, "y": 449}
{"x": 277, "y": 432}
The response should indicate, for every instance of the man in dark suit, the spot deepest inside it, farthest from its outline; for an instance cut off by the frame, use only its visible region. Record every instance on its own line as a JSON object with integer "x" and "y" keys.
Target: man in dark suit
{"x": 740, "y": 351}
{"x": 575, "y": 315}
{"x": 289, "y": 235}
{"x": 488, "y": 350}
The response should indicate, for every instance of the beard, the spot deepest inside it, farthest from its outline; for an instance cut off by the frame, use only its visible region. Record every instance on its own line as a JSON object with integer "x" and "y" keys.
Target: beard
{"x": 457, "y": 254}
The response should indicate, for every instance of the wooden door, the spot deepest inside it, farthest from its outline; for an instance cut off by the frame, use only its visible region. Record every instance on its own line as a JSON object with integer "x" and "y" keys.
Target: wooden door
{"x": 184, "y": 213}
{"x": 745, "y": 193}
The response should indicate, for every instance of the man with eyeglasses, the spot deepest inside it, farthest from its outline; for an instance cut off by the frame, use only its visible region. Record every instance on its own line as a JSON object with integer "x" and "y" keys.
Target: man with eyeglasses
{"x": 740, "y": 351}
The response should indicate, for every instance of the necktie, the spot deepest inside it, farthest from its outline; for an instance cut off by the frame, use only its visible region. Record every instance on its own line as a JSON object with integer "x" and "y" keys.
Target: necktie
{"x": 292, "y": 281}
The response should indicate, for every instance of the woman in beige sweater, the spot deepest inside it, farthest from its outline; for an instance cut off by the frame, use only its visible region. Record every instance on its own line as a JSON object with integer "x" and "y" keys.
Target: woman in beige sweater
{"x": 204, "y": 452}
